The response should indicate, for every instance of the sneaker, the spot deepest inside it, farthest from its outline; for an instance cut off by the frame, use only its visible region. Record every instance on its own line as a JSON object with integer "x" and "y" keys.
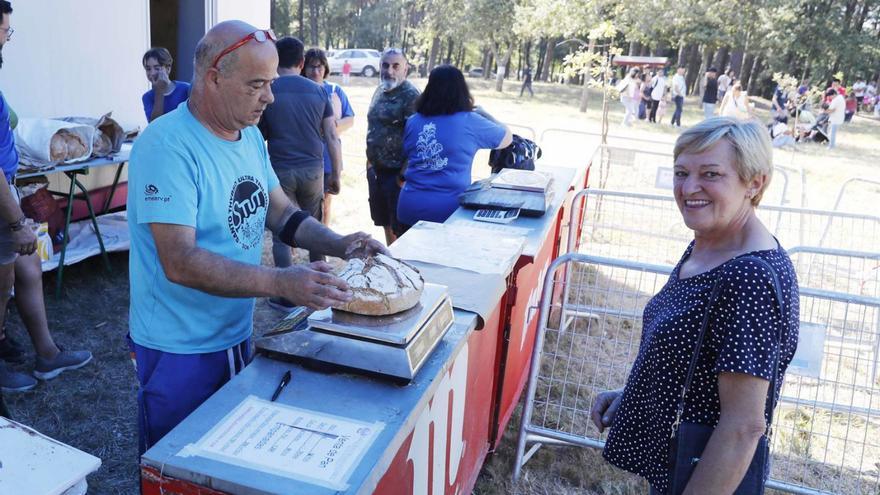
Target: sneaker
{"x": 11, "y": 351}
{"x": 47, "y": 369}
{"x": 280, "y": 304}
{"x": 13, "y": 381}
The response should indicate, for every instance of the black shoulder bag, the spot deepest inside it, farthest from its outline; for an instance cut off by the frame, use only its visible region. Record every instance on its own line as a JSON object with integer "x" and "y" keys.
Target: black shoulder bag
{"x": 688, "y": 440}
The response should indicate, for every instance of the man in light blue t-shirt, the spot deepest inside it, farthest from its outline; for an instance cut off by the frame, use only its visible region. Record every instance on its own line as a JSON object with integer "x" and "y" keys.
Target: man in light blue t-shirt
{"x": 201, "y": 192}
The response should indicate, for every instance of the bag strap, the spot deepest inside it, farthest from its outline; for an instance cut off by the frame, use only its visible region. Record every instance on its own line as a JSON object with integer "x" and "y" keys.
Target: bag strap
{"x": 770, "y": 403}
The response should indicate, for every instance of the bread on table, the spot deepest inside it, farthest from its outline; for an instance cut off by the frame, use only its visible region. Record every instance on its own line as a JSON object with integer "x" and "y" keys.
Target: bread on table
{"x": 381, "y": 285}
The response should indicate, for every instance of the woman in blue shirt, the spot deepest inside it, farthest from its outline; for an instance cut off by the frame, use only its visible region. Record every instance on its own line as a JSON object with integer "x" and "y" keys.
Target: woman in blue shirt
{"x": 165, "y": 94}
{"x": 316, "y": 68}
{"x": 440, "y": 141}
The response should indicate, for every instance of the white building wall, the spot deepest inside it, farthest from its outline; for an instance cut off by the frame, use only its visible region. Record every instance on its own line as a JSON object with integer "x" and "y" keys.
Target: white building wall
{"x": 77, "y": 58}
{"x": 254, "y": 12}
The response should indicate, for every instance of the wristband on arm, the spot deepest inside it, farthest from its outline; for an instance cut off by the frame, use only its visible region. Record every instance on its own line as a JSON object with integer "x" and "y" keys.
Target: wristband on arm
{"x": 288, "y": 232}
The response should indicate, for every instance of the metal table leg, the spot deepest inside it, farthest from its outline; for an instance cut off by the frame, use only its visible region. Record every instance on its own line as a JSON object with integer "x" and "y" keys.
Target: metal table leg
{"x": 65, "y": 236}
{"x": 109, "y": 199}
{"x": 71, "y": 197}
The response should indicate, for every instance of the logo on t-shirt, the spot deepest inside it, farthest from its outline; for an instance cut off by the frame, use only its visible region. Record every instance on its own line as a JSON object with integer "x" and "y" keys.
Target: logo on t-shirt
{"x": 151, "y": 193}
{"x": 429, "y": 149}
{"x": 247, "y": 211}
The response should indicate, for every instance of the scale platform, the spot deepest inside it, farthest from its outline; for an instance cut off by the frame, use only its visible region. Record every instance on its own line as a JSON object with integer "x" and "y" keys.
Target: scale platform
{"x": 395, "y": 345}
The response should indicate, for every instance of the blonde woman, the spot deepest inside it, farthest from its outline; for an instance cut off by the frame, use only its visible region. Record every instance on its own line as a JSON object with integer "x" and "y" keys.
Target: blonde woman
{"x": 718, "y": 337}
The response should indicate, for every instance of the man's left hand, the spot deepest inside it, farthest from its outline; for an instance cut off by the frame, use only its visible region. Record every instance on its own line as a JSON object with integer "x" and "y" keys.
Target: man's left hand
{"x": 333, "y": 183}
{"x": 361, "y": 245}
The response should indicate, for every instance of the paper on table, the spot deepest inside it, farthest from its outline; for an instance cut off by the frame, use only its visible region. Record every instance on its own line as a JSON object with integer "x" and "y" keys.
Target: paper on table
{"x": 306, "y": 445}
{"x": 458, "y": 246}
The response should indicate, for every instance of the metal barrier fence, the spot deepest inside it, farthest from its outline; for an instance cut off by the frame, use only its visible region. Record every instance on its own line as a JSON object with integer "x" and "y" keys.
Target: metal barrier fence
{"x": 649, "y": 227}
{"x": 846, "y": 185}
{"x": 827, "y": 425}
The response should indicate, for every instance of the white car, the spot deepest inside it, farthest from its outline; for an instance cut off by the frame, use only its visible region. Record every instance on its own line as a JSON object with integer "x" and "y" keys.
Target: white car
{"x": 363, "y": 61}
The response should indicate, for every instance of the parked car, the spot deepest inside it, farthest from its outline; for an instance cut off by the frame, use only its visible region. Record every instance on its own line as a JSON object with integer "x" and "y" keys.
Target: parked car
{"x": 478, "y": 72}
{"x": 363, "y": 61}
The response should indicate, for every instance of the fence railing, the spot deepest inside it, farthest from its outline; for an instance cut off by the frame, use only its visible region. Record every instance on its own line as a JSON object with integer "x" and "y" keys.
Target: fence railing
{"x": 827, "y": 425}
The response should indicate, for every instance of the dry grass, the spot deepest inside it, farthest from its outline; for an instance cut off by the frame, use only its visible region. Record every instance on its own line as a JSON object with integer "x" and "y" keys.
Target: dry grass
{"x": 94, "y": 408}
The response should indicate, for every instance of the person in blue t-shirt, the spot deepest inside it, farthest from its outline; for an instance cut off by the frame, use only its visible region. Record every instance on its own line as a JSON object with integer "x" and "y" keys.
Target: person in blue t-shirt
{"x": 440, "y": 141}
{"x": 165, "y": 94}
{"x": 317, "y": 69}
{"x": 201, "y": 193}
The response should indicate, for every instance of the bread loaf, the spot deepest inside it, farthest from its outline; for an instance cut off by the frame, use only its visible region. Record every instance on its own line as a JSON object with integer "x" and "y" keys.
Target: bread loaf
{"x": 381, "y": 285}
{"x": 66, "y": 145}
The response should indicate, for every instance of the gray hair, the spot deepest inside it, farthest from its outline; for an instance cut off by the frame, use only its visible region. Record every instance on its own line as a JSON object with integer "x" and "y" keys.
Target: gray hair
{"x": 207, "y": 50}
{"x": 752, "y": 149}
{"x": 395, "y": 51}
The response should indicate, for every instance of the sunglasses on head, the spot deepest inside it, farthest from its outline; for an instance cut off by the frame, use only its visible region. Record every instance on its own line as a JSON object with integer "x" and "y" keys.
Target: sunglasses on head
{"x": 260, "y": 36}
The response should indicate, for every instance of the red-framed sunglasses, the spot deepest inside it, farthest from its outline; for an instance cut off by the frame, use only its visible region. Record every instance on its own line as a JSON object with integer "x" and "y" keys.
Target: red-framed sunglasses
{"x": 260, "y": 36}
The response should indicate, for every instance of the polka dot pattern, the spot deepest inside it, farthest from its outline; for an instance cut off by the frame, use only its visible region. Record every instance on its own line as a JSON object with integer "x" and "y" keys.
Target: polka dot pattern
{"x": 741, "y": 338}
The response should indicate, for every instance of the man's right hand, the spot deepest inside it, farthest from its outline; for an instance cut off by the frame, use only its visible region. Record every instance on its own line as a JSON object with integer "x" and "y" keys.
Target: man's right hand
{"x": 24, "y": 240}
{"x": 313, "y": 285}
{"x": 162, "y": 83}
{"x": 333, "y": 183}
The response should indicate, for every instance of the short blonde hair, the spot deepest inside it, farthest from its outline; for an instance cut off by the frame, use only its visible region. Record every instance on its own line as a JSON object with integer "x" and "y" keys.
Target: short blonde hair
{"x": 752, "y": 149}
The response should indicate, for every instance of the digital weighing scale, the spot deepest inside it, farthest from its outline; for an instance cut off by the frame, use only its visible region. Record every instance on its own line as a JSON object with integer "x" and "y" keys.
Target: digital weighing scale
{"x": 395, "y": 345}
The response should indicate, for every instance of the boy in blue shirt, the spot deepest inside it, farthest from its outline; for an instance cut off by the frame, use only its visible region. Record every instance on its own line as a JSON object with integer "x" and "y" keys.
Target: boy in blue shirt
{"x": 165, "y": 94}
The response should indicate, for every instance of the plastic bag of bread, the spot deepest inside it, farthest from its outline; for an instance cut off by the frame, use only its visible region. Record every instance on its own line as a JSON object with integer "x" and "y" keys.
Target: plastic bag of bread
{"x": 53, "y": 141}
{"x": 108, "y": 133}
{"x": 381, "y": 285}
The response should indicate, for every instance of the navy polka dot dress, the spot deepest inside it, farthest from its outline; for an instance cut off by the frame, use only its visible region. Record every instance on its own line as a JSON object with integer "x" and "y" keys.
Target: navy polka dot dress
{"x": 741, "y": 338}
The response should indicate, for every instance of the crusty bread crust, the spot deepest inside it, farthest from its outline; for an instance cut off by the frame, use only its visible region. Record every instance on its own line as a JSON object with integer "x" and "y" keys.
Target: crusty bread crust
{"x": 381, "y": 285}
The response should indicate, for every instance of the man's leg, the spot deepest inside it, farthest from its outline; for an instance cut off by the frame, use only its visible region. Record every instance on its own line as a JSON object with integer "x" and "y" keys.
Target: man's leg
{"x": 679, "y": 106}
{"x": 281, "y": 253}
{"x": 832, "y": 135}
{"x": 174, "y": 385}
{"x": 310, "y": 196}
{"x": 654, "y": 105}
{"x": 10, "y": 381}
{"x": 708, "y": 110}
{"x": 379, "y": 205}
{"x": 51, "y": 360}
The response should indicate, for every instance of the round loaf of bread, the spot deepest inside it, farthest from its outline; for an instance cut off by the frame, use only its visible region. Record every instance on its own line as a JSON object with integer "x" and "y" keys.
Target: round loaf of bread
{"x": 381, "y": 285}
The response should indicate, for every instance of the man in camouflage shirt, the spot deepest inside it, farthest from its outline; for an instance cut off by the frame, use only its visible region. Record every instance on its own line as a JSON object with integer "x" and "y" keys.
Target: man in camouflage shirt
{"x": 393, "y": 102}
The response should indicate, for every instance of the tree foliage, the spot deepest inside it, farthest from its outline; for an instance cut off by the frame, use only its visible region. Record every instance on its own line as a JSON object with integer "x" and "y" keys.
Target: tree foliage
{"x": 804, "y": 38}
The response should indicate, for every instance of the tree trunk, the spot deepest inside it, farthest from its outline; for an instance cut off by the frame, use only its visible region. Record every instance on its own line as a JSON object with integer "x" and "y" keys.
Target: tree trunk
{"x": 548, "y": 59}
{"x": 736, "y": 62}
{"x": 300, "y": 19}
{"x": 504, "y": 61}
{"x": 450, "y": 51}
{"x": 721, "y": 58}
{"x": 459, "y": 60}
{"x": 313, "y": 22}
{"x": 585, "y": 92}
{"x": 487, "y": 67}
{"x": 633, "y": 45}
{"x": 682, "y": 55}
{"x": 693, "y": 68}
{"x": 435, "y": 49}
{"x": 747, "y": 63}
{"x": 705, "y": 64}
{"x": 755, "y": 75}
{"x": 542, "y": 48}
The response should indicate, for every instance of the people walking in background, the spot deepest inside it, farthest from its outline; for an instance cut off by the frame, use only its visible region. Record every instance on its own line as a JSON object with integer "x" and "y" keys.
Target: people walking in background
{"x": 165, "y": 94}
{"x": 735, "y": 103}
{"x": 317, "y": 68}
{"x": 346, "y": 72}
{"x": 852, "y": 106}
{"x": 724, "y": 82}
{"x": 527, "y": 82}
{"x": 779, "y": 103}
{"x": 710, "y": 92}
{"x": 658, "y": 93}
{"x": 629, "y": 94}
{"x": 836, "y": 114}
{"x": 644, "y": 94}
{"x": 679, "y": 90}
{"x": 859, "y": 90}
